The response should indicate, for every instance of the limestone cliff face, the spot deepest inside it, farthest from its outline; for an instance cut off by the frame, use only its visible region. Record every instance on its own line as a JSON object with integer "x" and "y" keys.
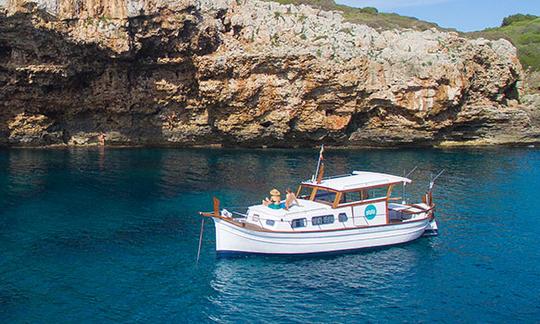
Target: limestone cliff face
{"x": 247, "y": 73}
{"x": 69, "y": 9}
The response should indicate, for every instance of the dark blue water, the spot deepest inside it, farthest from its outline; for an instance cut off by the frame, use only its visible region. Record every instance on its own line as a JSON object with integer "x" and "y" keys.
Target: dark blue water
{"x": 111, "y": 235}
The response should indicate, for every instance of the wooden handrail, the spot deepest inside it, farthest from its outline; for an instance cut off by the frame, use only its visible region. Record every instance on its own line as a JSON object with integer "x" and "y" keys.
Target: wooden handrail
{"x": 422, "y": 210}
{"x": 262, "y": 229}
{"x": 206, "y": 214}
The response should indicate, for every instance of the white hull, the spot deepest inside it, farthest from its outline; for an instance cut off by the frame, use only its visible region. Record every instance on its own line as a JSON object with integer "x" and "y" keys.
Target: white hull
{"x": 232, "y": 239}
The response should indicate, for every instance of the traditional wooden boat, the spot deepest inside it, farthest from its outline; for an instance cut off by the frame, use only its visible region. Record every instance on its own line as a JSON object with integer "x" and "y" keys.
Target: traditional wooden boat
{"x": 341, "y": 213}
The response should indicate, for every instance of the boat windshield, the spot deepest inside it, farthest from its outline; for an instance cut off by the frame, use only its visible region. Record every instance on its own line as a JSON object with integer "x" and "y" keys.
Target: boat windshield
{"x": 325, "y": 196}
{"x": 321, "y": 195}
{"x": 346, "y": 197}
{"x": 365, "y": 194}
{"x": 304, "y": 192}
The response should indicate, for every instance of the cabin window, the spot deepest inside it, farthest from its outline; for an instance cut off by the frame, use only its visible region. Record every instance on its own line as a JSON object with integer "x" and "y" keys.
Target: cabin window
{"x": 300, "y": 222}
{"x": 342, "y": 217}
{"x": 365, "y": 194}
{"x": 349, "y": 197}
{"x": 270, "y": 222}
{"x": 304, "y": 192}
{"x": 376, "y": 193}
{"x": 322, "y": 220}
{"x": 325, "y": 196}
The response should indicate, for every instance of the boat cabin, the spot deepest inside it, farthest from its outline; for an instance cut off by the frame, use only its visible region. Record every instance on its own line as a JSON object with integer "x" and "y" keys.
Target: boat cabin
{"x": 359, "y": 199}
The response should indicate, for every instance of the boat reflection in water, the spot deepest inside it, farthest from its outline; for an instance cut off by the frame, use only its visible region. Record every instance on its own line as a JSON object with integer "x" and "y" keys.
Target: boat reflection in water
{"x": 323, "y": 285}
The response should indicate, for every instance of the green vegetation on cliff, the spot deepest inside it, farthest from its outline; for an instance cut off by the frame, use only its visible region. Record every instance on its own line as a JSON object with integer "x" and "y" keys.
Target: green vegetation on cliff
{"x": 369, "y": 16}
{"x": 524, "y": 32}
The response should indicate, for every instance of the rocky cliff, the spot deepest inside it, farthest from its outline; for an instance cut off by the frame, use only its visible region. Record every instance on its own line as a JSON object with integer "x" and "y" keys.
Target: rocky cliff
{"x": 197, "y": 72}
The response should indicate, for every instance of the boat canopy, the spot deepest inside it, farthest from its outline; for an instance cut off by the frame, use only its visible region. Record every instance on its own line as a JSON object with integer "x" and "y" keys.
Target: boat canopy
{"x": 357, "y": 180}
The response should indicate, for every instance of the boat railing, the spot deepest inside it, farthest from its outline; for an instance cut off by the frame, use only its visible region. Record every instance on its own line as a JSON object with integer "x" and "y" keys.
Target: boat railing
{"x": 239, "y": 214}
{"x": 309, "y": 220}
{"x": 260, "y": 219}
{"x": 407, "y": 209}
{"x": 235, "y": 209}
{"x": 305, "y": 212}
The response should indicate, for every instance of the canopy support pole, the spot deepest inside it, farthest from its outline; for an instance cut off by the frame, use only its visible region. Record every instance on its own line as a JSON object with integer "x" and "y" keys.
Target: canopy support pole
{"x": 320, "y": 167}
{"x": 403, "y": 200}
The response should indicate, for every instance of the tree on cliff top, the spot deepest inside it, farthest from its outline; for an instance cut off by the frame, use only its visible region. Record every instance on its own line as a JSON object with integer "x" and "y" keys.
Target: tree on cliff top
{"x": 517, "y": 18}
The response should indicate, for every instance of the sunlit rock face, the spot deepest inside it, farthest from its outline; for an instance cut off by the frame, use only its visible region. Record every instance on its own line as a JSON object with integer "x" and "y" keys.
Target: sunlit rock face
{"x": 247, "y": 73}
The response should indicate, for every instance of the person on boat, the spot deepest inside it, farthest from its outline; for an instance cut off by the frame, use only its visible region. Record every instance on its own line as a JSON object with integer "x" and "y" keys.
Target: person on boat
{"x": 290, "y": 199}
{"x": 275, "y": 200}
{"x": 101, "y": 139}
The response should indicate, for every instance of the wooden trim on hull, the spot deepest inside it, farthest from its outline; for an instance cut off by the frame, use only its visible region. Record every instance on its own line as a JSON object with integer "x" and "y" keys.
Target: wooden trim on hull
{"x": 256, "y": 228}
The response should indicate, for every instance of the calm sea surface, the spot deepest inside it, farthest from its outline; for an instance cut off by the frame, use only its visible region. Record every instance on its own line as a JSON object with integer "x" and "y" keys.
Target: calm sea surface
{"x": 111, "y": 235}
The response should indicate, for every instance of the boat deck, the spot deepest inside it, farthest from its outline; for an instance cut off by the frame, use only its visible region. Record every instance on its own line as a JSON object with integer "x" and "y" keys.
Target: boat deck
{"x": 304, "y": 207}
{"x": 259, "y": 228}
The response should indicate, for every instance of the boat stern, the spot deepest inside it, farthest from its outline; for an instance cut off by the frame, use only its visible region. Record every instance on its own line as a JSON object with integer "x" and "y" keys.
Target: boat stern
{"x": 432, "y": 229}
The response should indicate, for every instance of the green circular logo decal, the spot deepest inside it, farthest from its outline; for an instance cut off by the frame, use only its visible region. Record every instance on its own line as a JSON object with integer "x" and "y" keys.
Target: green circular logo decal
{"x": 370, "y": 212}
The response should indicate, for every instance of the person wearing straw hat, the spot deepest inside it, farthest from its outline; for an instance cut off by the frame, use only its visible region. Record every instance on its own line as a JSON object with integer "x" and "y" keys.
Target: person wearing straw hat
{"x": 275, "y": 200}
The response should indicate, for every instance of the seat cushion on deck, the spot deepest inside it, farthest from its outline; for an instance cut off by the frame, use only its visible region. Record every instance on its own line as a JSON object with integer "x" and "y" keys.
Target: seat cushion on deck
{"x": 274, "y": 206}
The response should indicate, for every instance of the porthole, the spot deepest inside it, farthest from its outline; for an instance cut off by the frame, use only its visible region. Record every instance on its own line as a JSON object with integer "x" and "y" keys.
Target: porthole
{"x": 322, "y": 220}
{"x": 300, "y": 222}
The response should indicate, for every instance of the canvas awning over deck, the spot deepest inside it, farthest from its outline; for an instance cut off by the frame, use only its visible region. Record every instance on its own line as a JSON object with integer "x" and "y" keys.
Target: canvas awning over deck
{"x": 358, "y": 180}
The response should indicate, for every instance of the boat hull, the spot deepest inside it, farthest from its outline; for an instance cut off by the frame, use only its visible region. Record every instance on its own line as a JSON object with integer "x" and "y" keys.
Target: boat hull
{"x": 233, "y": 239}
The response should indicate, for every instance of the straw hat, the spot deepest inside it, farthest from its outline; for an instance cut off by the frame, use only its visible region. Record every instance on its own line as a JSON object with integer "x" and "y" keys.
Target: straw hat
{"x": 275, "y": 192}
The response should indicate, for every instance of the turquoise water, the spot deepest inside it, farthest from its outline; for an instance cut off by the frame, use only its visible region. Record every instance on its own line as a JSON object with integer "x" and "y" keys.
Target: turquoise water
{"x": 111, "y": 235}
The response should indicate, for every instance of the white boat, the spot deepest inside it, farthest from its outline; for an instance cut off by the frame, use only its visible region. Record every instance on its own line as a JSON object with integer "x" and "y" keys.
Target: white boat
{"x": 342, "y": 213}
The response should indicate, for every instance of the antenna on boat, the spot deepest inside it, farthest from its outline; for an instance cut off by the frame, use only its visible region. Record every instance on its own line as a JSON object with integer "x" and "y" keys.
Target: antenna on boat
{"x": 429, "y": 195}
{"x": 410, "y": 172}
{"x": 404, "y": 184}
{"x": 320, "y": 167}
{"x": 432, "y": 182}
